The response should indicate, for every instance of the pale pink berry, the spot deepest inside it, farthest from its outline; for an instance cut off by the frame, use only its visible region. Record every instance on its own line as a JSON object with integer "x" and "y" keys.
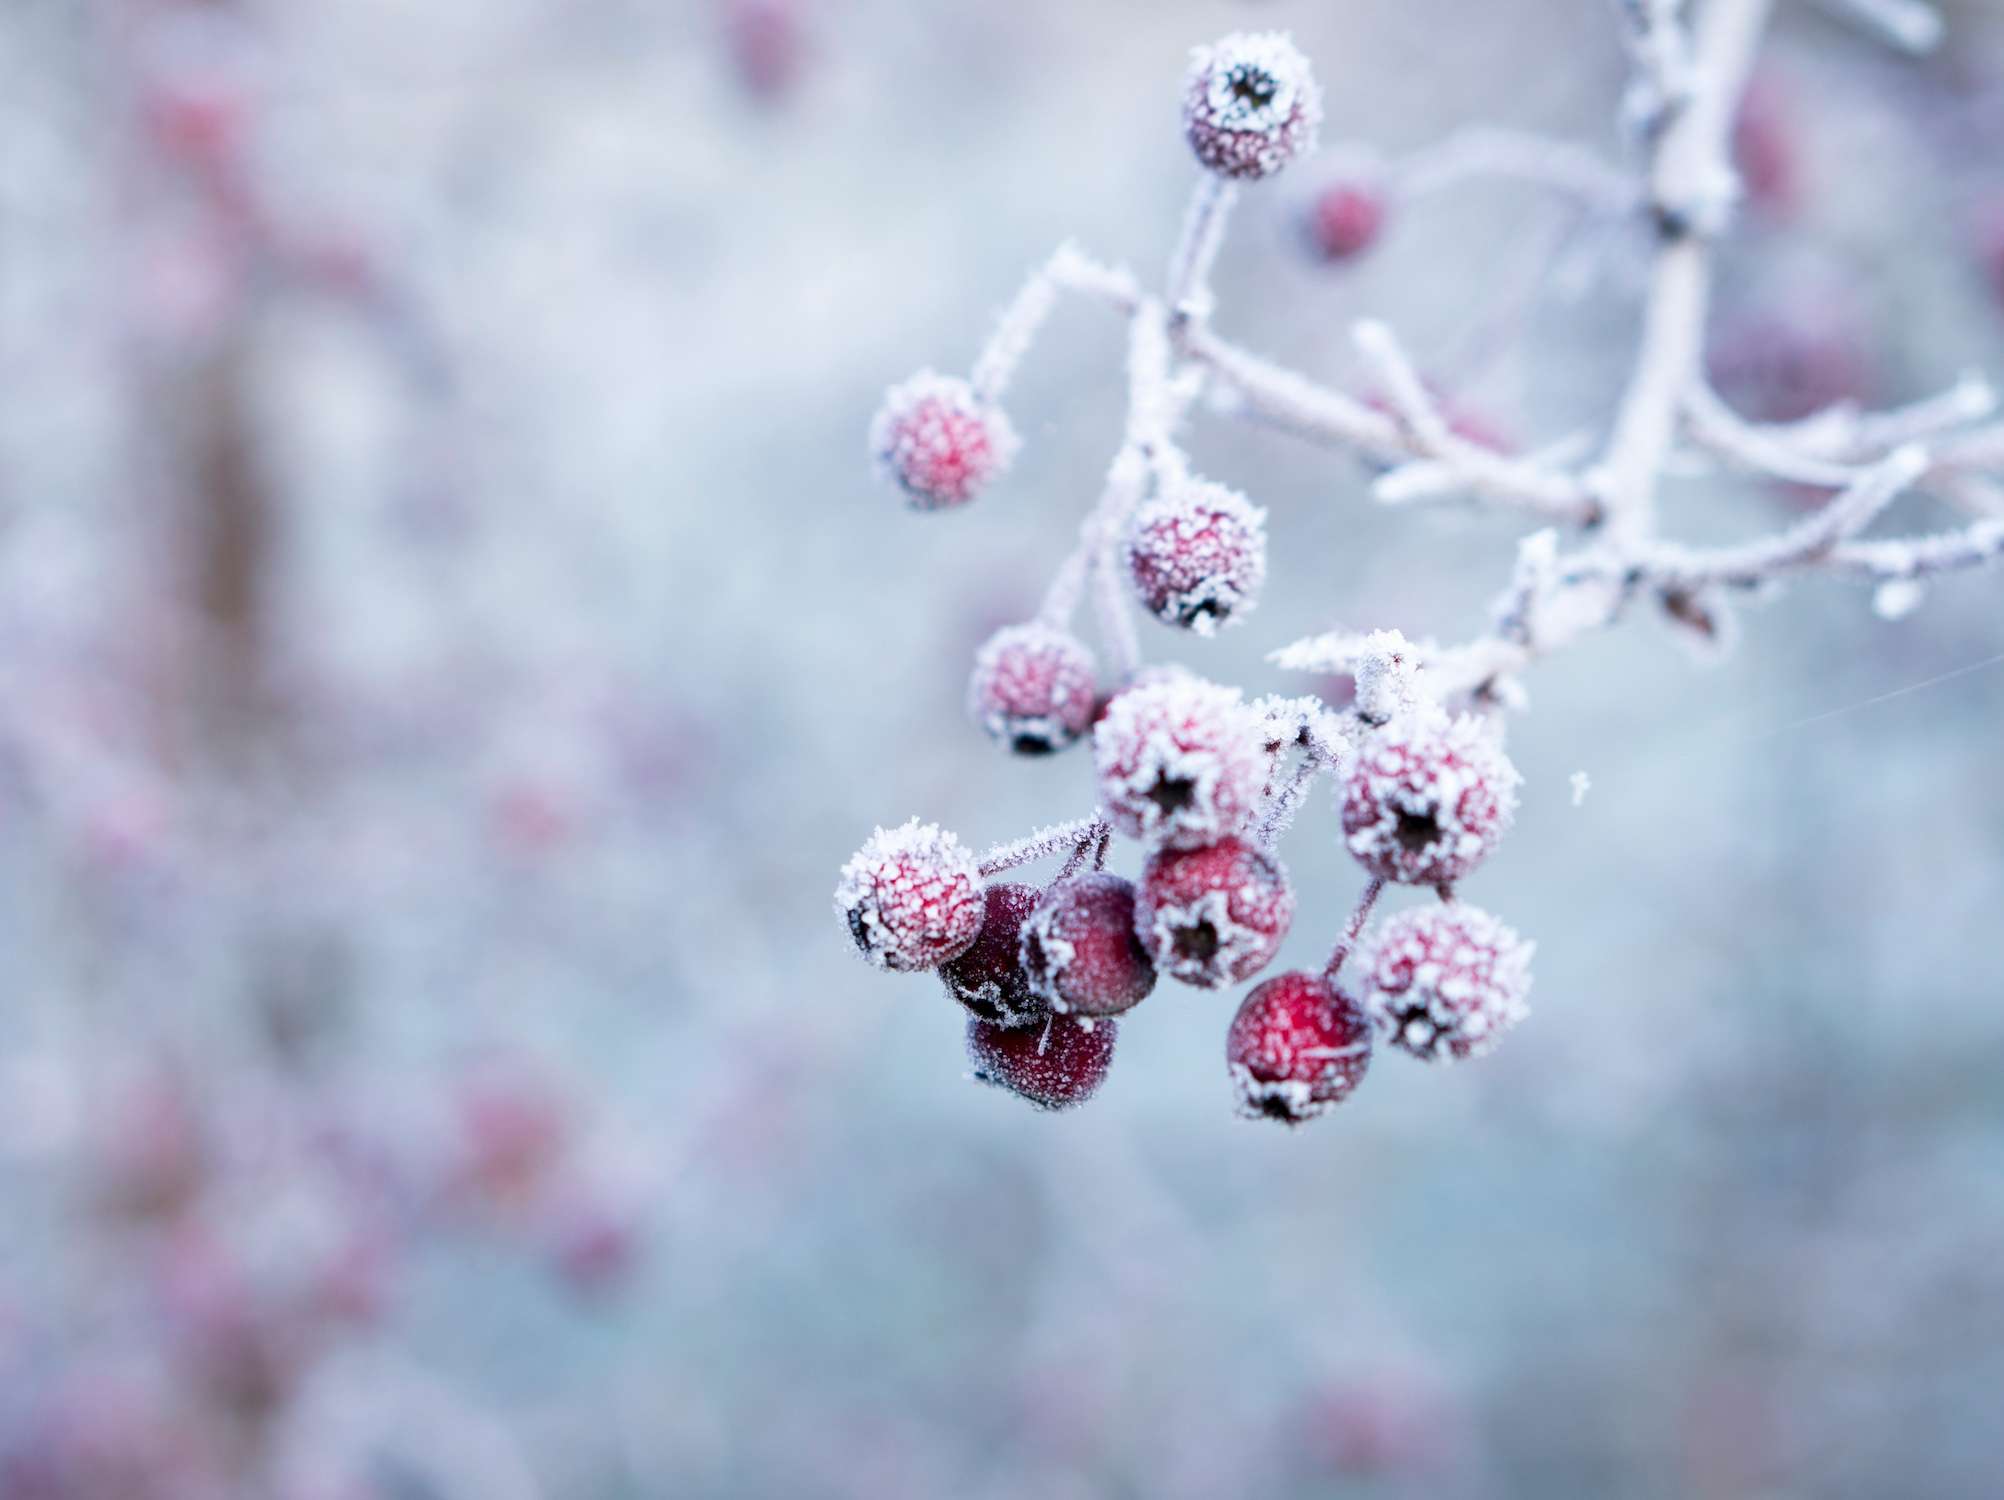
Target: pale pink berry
{"x": 1197, "y": 555}
{"x": 1428, "y": 798}
{"x": 1346, "y": 219}
{"x": 910, "y": 898}
{"x": 1079, "y": 949}
{"x": 1216, "y": 915}
{"x": 1181, "y": 762}
{"x": 1055, "y": 1064}
{"x": 1297, "y": 1046}
{"x": 1445, "y": 982}
{"x": 1251, "y": 104}
{"x": 1033, "y": 688}
{"x": 988, "y": 978}
{"x": 939, "y": 442}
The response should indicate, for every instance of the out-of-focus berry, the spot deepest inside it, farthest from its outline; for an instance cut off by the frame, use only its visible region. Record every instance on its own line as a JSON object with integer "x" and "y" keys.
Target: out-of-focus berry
{"x": 1216, "y": 915}
{"x": 1032, "y": 688}
{"x": 1197, "y": 555}
{"x": 910, "y": 898}
{"x": 939, "y": 442}
{"x": 1346, "y": 219}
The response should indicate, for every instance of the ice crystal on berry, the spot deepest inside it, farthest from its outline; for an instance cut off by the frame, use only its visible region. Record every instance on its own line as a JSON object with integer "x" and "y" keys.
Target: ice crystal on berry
{"x": 1446, "y": 981}
{"x": 1080, "y": 951}
{"x": 1032, "y": 688}
{"x": 939, "y": 442}
{"x": 1197, "y": 556}
{"x": 910, "y": 898}
{"x": 1297, "y": 1046}
{"x": 1428, "y": 798}
{"x": 1180, "y": 760}
{"x": 1054, "y": 1065}
{"x": 1251, "y": 104}
{"x": 1216, "y": 915}
{"x": 988, "y": 978}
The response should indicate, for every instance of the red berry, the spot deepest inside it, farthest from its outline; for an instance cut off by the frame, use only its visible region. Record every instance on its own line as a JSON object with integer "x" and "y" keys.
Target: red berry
{"x": 1297, "y": 1046}
{"x": 1032, "y": 688}
{"x": 1079, "y": 948}
{"x": 1783, "y": 367}
{"x": 988, "y": 978}
{"x": 1428, "y": 799}
{"x": 1180, "y": 761}
{"x": 1764, "y": 146}
{"x": 1055, "y": 1066}
{"x": 911, "y": 898}
{"x": 765, "y": 41}
{"x": 1445, "y": 982}
{"x": 1214, "y": 916}
{"x": 939, "y": 442}
{"x": 1197, "y": 555}
{"x": 1251, "y": 104}
{"x": 1346, "y": 219}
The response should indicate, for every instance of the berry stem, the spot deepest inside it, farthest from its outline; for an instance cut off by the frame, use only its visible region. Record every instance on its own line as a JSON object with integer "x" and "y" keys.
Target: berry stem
{"x": 1358, "y": 918}
{"x": 1078, "y": 833}
{"x": 1197, "y": 250}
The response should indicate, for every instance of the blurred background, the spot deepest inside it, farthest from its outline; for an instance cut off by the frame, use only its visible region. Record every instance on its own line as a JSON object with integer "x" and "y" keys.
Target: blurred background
{"x": 450, "y": 637}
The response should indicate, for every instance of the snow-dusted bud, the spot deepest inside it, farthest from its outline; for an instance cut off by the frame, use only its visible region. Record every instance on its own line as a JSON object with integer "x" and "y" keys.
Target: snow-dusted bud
{"x": 911, "y": 898}
{"x": 1197, "y": 555}
{"x": 1079, "y": 950}
{"x": 1181, "y": 762}
{"x": 1055, "y": 1064}
{"x": 1445, "y": 982}
{"x": 1032, "y": 688}
{"x": 939, "y": 442}
{"x": 1214, "y": 916}
{"x": 1251, "y": 105}
{"x": 988, "y": 978}
{"x": 1387, "y": 677}
{"x": 1428, "y": 798}
{"x": 1297, "y": 1046}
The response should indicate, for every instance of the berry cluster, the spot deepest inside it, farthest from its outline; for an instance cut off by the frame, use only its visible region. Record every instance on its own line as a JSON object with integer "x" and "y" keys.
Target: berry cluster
{"x": 1201, "y": 779}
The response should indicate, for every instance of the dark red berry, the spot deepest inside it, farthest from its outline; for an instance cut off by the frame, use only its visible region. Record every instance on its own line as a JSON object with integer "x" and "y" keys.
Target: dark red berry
{"x": 1079, "y": 948}
{"x": 1445, "y": 982}
{"x": 1345, "y": 220}
{"x": 910, "y": 898}
{"x": 1251, "y": 104}
{"x": 1181, "y": 761}
{"x": 1297, "y": 1046}
{"x": 1197, "y": 556}
{"x": 1032, "y": 688}
{"x": 1214, "y": 916}
{"x": 988, "y": 978}
{"x": 1055, "y": 1065}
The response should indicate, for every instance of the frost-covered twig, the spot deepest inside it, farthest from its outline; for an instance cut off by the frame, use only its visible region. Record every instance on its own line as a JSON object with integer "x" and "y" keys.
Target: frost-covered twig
{"x": 1912, "y": 25}
{"x": 1058, "y": 838}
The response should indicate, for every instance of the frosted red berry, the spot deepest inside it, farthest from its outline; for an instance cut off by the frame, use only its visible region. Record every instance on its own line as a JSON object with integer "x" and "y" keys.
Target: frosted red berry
{"x": 1033, "y": 688}
{"x": 1197, "y": 555}
{"x": 911, "y": 898}
{"x": 1346, "y": 219}
{"x": 1428, "y": 798}
{"x": 1216, "y": 915}
{"x": 1180, "y": 760}
{"x": 1445, "y": 982}
{"x": 939, "y": 442}
{"x": 1079, "y": 948}
{"x": 988, "y": 978}
{"x": 1297, "y": 1046}
{"x": 1054, "y": 1065}
{"x": 1251, "y": 104}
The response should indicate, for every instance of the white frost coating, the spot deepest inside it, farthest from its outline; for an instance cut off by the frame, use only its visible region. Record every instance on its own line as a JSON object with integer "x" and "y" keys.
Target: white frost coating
{"x": 1428, "y": 798}
{"x": 1197, "y": 555}
{"x": 1032, "y": 687}
{"x": 1898, "y": 599}
{"x": 1057, "y": 839}
{"x": 1445, "y": 982}
{"x": 911, "y": 897}
{"x": 1387, "y": 674}
{"x": 1581, "y": 784}
{"x": 1180, "y": 761}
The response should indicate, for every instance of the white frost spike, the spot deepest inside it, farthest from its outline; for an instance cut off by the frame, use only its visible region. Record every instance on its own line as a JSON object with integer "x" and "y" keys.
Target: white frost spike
{"x": 1898, "y": 599}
